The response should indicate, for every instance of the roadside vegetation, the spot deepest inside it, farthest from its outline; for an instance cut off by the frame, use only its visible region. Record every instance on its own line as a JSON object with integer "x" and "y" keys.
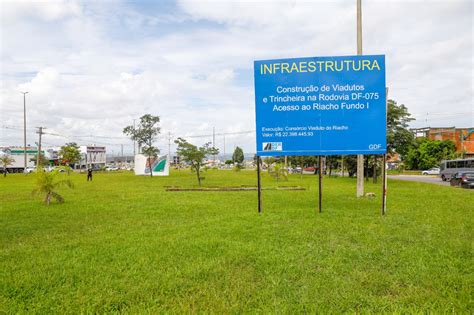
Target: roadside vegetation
{"x": 121, "y": 243}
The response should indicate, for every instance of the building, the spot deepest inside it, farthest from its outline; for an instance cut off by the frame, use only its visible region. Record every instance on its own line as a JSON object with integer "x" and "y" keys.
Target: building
{"x": 92, "y": 156}
{"x": 463, "y": 138}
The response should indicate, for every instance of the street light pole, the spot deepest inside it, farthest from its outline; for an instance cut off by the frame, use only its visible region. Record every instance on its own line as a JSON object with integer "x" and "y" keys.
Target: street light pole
{"x": 24, "y": 127}
{"x": 360, "y": 157}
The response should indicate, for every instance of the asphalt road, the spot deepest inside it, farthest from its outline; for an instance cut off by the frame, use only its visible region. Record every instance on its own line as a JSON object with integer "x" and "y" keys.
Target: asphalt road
{"x": 420, "y": 178}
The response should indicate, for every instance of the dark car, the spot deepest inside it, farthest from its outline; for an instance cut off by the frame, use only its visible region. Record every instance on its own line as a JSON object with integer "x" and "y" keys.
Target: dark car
{"x": 463, "y": 179}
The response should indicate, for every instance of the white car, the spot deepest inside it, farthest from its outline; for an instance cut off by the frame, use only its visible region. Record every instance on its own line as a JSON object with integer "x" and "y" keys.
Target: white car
{"x": 111, "y": 168}
{"x": 29, "y": 170}
{"x": 432, "y": 171}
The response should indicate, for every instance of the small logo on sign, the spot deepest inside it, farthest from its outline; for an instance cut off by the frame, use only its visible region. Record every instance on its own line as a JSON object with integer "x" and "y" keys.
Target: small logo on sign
{"x": 272, "y": 146}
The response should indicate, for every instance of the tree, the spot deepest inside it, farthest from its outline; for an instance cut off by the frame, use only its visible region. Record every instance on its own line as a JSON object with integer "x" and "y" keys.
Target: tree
{"x": 238, "y": 156}
{"x": 332, "y": 162}
{"x": 194, "y": 155}
{"x": 69, "y": 154}
{"x": 47, "y": 184}
{"x": 144, "y": 134}
{"x": 350, "y": 162}
{"x": 5, "y": 161}
{"x": 399, "y": 137}
{"x": 278, "y": 170}
{"x": 426, "y": 153}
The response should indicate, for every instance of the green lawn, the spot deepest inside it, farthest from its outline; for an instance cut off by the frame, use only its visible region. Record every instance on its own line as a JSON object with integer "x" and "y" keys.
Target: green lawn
{"x": 121, "y": 243}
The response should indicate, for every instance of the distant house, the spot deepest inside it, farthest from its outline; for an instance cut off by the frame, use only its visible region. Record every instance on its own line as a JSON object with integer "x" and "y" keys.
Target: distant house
{"x": 462, "y": 137}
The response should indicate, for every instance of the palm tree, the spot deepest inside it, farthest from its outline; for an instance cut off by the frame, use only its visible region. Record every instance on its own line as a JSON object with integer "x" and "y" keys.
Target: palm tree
{"x": 5, "y": 160}
{"x": 278, "y": 170}
{"x": 47, "y": 184}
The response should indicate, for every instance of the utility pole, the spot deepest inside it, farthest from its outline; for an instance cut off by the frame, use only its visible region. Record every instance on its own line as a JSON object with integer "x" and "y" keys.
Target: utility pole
{"x": 134, "y": 139}
{"x": 360, "y": 157}
{"x": 121, "y": 150}
{"x": 24, "y": 127}
{"x": 169, "y": 147}
{"x": 224, "y": 148}
{"x": 214, "y": 141}
{"x": 38, "y": 155}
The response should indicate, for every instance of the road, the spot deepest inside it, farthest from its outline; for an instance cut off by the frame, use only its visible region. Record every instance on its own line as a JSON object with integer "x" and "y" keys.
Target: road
{"x": 420, "y": 178}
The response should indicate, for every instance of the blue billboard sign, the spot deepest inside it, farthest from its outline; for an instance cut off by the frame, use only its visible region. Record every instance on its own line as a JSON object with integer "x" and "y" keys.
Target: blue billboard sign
{"x": 320, "y": 106}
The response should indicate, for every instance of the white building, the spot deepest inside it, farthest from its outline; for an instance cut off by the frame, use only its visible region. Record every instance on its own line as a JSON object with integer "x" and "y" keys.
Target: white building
{"x": 92, "y": 156}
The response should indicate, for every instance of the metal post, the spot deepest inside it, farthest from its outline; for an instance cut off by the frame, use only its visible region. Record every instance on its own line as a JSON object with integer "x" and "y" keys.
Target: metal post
{"x": 384, "y": 166}
{"x": 214, "y": 142}
{"x": 224, "y": 148}
{"x": 259, "y": 186}
{"x": 320, "y": 182}
{"x": 169, "y": 147}
{"x": 40, "y": 132}
{"x": 360, "y": 157}
{"x": 134, "y": 141}
{"x": 24, "y": 128}
{"x": 384, "y": 185}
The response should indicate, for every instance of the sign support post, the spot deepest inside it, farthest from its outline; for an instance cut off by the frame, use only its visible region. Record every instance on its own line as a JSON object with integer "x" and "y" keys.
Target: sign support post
{"x": 384, "y": 184}
{"x": 384, "y": 166}
{"x": 259, "y": 186}
{"x": 320, "y": 182}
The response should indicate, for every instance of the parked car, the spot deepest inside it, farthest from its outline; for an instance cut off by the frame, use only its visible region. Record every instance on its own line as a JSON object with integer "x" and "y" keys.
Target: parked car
{"x": 111, "y": 168}
{"x": 432, "y": 171}
{"x": 29, "y": 170}
{"x": 463, "y": 179}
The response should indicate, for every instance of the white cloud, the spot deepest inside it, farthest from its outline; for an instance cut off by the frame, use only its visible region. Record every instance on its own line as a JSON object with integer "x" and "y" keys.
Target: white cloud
{"x": 46, "y": 10}
{"x": 93, "y": 67}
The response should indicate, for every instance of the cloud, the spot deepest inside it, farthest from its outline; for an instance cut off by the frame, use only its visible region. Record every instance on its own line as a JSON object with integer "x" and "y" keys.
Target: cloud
{"x": 93, "y": 67}
{"x": 48, "y": 11}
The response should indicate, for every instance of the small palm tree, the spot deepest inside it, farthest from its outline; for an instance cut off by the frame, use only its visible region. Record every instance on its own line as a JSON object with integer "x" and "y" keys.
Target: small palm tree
{"x": 5, "y": 160}
{"x": 278, "y": 170}
{"x": 47, "y": 184}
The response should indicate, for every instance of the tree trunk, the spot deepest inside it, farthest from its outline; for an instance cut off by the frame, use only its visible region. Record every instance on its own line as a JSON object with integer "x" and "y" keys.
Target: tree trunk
{"x": 47, "y": 200}
{"x": 198, "y": 174}
{"x": 151, "y": 168}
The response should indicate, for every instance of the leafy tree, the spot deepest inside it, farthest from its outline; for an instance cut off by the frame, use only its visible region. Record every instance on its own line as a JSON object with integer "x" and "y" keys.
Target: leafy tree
{"x": 350, "y": 163}
{"x": 228, "y": 162}
{"x": 194, "y": 155}
{"x": 238, "y": 156}
{"x": 145, "y": 135}
{"x": 399, "y": 137}
{"x": 47, "y": 184}
{"x": 5, "y": 161}
{"x": 70, "y": 154}
{"x": 427, "y": 153}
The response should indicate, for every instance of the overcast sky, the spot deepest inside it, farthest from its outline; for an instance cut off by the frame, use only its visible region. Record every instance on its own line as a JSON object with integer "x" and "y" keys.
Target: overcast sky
{"x": 92, "y": 67}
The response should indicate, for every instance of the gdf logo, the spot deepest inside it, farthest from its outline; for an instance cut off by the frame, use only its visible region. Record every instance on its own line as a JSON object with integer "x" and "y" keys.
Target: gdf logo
{"x": 374, "y": 146}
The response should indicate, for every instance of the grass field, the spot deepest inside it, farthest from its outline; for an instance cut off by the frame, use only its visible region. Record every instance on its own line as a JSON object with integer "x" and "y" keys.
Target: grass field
{"x": 123, "y": 244}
